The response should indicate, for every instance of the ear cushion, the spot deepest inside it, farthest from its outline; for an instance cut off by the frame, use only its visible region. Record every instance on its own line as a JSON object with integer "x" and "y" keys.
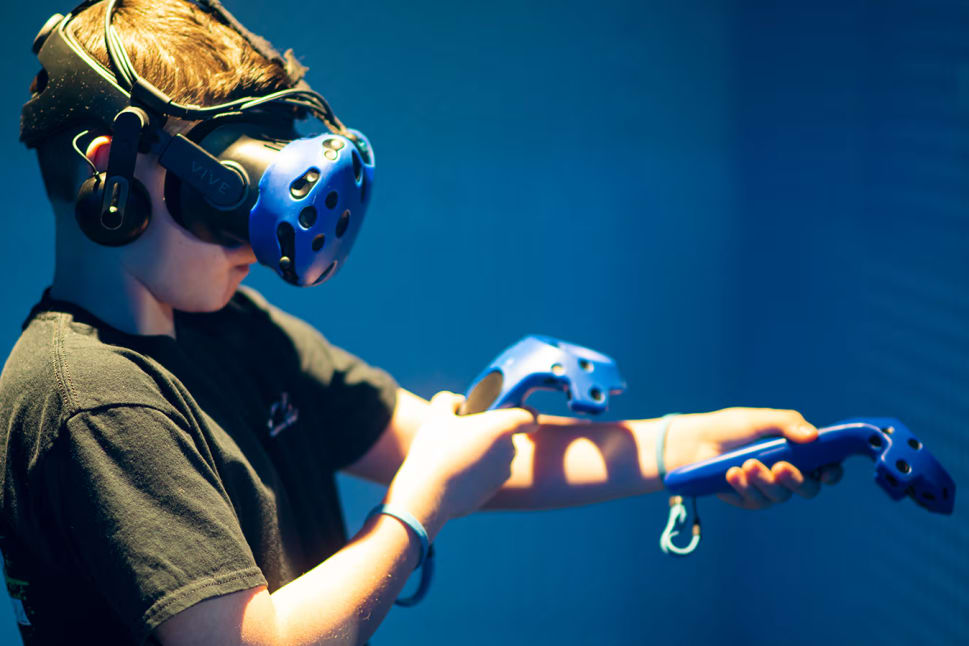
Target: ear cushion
{"x": 87, "y": 212}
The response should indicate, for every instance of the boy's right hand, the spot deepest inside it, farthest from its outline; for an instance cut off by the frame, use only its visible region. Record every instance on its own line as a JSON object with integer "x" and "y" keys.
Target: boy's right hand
{"x": 456, "y": 463}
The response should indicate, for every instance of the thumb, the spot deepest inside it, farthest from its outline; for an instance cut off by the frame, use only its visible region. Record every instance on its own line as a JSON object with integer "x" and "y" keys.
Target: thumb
{"x": 794, "y": 427}
{"x": 766, "y": 422}
{"x": 447, "y": 402}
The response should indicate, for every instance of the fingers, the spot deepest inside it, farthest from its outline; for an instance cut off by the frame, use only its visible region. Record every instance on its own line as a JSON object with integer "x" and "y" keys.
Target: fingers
{"x": 793, "y": 479}
{"x": 756, "y": 485}
{"x": 512, "y": 420}
{"x": 504, "y": 421}
{"x": 534, "y": 412}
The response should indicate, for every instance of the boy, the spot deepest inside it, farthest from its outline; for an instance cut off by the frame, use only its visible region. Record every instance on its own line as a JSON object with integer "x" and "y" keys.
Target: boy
{"x": 170, "y": 440}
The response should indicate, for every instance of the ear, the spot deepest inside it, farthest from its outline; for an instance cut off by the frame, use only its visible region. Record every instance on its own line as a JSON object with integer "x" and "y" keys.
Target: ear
{"x": 98, "y": 151}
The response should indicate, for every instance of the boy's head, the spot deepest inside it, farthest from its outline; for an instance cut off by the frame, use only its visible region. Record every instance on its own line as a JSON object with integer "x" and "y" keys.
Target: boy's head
{"x": 195, "y": 59}
{"x": 198, "y": 57}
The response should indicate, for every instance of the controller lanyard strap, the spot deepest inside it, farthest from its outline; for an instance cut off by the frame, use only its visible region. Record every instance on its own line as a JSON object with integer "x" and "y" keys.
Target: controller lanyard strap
{"x": 677, "y": 519}
{"x": 677, "y": 508}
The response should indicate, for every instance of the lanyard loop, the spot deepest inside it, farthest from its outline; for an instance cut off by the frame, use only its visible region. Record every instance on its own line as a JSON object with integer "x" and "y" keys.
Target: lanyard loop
{"x": 676, "y": 520}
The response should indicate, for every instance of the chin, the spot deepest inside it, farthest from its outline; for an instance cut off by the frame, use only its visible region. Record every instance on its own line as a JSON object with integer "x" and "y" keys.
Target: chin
{"x": 207, "y": 302}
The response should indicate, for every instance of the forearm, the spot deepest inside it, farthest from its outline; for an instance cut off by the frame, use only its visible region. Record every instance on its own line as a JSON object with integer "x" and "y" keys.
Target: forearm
{"x": 344, "y": 599}
{"x": 571, "y": 462}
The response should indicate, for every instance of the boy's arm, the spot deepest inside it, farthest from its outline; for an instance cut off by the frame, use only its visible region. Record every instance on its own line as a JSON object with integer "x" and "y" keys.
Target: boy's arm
{"x": 452, "y": 467}
{"x": 341, "y": 601}
{"x": 572, "y": 462}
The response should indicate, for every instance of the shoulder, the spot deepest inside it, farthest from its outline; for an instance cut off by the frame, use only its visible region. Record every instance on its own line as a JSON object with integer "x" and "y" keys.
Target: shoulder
{"x": 60, "y": 366}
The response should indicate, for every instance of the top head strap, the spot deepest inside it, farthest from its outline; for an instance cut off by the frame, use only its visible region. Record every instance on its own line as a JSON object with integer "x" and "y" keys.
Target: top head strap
{"x": 294, "y": 69}
{"x": 70, "y": 71}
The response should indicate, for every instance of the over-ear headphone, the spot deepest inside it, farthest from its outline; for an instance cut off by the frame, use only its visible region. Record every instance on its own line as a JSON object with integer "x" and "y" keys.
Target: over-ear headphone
{"x": 113, "y": 208}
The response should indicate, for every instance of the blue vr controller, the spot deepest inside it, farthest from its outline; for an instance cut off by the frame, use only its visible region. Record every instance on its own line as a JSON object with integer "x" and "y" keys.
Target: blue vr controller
{"x": 903, "y": 466}
{"x": 535, "y": 362}
{"x": 538, "y": 362}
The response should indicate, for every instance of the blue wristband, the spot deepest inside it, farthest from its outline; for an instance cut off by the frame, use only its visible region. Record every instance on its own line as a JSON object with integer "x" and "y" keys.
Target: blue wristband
{"x": 410, "y": 521}
{"x": 661, "y": 445}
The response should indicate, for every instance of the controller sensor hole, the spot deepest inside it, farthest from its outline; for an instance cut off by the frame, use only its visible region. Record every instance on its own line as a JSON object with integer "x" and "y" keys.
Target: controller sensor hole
{"x": 596, "y": 395}
{"x": 357, "y": 167}
{"x": 891, "y": 480}
{"x": 318, "y": 242}
{"x": 284, "y": 232}
{"x": 326, "y": 272}
{"x": 915, "y": 444}
{"x": 558, "y": 369}
{"x": 945, "y": 494}
{"x": 287, "y": 247}
{"x": 875, "y": 441}
{"x": 903, "y": 466}
{"x": 585, "y": 364}
{"x": 343, "y": 223}
{"x": 307, "y": 217}
{"x": 331, "y": 199}
{"x": 888, "y": 430}
{"x": 303, "y": 184}
{"x": 928, "y": 495}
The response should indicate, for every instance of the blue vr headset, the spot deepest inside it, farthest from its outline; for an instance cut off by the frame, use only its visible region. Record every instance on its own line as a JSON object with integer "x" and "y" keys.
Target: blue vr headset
{"x": 241, "y": 175}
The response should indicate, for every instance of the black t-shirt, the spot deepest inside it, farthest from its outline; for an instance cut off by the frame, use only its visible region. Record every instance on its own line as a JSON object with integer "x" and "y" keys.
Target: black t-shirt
{"x": 143, "y": 474}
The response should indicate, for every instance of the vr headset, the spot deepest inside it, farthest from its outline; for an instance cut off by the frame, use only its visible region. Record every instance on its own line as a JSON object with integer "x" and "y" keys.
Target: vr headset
{"x": 241, "y": 175}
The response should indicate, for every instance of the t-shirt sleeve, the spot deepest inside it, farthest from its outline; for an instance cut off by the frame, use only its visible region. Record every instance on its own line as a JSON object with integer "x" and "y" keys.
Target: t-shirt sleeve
{"x": 354, "y": 401}
{"x": 145, "y": 515}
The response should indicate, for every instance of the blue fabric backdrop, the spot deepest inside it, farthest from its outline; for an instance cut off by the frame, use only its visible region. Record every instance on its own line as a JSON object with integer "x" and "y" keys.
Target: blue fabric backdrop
{"x": 745, "y": 203}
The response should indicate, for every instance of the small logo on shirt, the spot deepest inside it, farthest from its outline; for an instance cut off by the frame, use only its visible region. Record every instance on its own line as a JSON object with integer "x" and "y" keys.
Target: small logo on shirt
{"x": 282, "y": 415}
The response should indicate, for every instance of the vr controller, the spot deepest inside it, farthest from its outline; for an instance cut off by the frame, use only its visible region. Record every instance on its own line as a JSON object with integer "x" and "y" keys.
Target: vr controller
{"x": 537, "y": 362}
{"x": 903, "y": 466}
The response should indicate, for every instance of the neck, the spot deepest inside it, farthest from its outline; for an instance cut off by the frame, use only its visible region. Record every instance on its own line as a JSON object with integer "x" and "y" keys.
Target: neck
{"x": 109, "y": 292}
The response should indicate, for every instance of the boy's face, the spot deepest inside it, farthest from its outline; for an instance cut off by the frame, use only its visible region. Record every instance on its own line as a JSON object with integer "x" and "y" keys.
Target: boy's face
{"x": 177, "y": 268}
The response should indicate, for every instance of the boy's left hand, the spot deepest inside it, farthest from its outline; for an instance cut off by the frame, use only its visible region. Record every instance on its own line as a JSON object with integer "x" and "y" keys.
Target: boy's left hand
{"x": 697, "y": 437}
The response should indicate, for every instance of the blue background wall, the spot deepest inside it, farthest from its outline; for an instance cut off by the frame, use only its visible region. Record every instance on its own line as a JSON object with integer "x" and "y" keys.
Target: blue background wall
{"x": 746, "y": 203}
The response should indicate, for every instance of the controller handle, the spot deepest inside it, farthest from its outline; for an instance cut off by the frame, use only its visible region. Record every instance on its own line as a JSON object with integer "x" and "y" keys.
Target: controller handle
{"x": 536, "y": 362}
{"x": 903, "y": 466}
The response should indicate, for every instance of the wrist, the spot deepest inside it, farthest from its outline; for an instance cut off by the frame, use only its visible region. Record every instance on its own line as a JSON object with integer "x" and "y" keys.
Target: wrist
{"x": 679, "y": 444}
{"x": 413, "y": 526}
{"x": 424, "y": 507}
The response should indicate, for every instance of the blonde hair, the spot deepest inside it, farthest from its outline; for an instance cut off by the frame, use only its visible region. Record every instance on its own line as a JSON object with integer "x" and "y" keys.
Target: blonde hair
{"x": 178, "y": 47}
